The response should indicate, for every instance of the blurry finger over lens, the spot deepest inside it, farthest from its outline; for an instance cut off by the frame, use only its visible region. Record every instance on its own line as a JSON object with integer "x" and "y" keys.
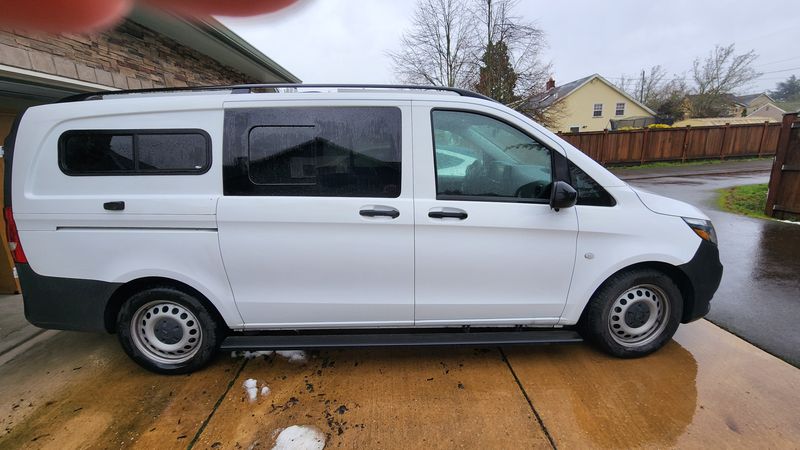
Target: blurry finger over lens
{"x": 57, "y": 16}
{"x": 221, "y": 7}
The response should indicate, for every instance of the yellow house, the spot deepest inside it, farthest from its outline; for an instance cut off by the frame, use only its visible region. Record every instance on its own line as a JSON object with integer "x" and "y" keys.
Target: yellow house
{"x": 592, "y": 104}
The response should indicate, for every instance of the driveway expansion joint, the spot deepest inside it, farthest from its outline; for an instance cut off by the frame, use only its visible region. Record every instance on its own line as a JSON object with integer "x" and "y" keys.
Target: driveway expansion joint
{"x": 216, "y": 405}
{"x": 528, "y": 399}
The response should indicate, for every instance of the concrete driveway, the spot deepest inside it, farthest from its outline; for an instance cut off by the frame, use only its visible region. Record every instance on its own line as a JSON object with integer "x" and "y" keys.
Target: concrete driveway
{"x": 708, "y": 388}
{"x": 759, "y": 297}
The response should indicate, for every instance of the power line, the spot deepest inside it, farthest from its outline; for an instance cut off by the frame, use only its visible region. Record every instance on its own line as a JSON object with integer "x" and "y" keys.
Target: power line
{"x": 782, "y": 70}
{"x": 778, "y": 61}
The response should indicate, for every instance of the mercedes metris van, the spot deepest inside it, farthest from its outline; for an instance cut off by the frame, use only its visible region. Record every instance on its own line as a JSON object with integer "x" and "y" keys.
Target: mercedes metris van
{"x": 281, "y": 216}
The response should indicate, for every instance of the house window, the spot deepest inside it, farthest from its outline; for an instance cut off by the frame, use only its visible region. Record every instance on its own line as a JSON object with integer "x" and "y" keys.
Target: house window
{"x": 620, "y": 110}
{"x": 598, "y": 110}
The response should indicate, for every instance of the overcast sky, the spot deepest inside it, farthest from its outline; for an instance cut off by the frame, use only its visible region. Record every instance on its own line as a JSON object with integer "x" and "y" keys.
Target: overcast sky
{"x": 344, "y": 41}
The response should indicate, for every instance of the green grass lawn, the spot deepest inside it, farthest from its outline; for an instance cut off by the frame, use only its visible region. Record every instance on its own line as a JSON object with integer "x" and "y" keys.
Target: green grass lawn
{"x": 749, "y": 200}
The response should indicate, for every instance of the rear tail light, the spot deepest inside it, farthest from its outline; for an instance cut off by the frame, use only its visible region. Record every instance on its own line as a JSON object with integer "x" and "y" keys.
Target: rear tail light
{"x": 13, "y": 237}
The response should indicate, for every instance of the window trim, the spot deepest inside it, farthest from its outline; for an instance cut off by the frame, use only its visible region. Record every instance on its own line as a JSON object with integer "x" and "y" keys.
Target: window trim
{"x": 557, "y": 171}
{"x": 617, "y": 109}
{"x": 595, "y": 110}
{"x": 134, "y": 133}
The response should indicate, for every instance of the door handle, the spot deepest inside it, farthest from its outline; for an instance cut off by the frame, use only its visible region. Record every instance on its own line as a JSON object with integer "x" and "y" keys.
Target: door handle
{"x": 460, "y": 215}
{"x": 114, "y": 206}
{"x": 375, "y": 212}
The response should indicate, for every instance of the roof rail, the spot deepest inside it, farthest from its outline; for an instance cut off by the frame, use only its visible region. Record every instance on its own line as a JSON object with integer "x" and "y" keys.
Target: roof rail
{"x": 248, "y": 88}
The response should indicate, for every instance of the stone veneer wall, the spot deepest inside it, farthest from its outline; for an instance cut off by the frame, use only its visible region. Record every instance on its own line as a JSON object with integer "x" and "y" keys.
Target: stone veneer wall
{"x": 129, "y": 56}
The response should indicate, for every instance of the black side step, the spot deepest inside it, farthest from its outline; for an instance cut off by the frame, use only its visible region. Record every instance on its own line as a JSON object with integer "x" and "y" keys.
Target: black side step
{"x": 309, "y": 341}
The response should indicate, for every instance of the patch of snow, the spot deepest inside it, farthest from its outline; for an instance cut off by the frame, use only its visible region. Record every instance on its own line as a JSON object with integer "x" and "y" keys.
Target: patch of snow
{"x": 294, "y": 356}
{"x": 264, "y": 390}
{"x": 251, "y": 386}
{"x": 251, "y": 355}
{"x": 300, "y": 437}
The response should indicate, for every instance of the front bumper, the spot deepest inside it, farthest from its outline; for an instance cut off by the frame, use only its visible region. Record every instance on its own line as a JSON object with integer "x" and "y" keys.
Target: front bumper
{"x": 704, "y": 272}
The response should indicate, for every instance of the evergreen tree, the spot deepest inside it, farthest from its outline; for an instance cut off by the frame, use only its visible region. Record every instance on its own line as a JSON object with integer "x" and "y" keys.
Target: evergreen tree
{"x": 788, "y": 90}
{"x": 496, "y": 77}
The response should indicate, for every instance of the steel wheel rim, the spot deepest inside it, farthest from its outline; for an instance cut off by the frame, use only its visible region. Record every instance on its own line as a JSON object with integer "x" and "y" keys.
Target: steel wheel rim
{"x": 166, "y": 332}
{"x": 639, "y": 315}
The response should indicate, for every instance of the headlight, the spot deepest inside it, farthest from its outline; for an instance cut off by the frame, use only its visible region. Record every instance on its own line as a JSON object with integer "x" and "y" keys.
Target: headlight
{"x": 703, "y": 228}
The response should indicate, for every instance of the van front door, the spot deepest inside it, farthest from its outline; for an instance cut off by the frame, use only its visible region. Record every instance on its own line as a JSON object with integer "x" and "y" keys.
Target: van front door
{"x": 316, "y": 224}
{"x": 489, "y": 249}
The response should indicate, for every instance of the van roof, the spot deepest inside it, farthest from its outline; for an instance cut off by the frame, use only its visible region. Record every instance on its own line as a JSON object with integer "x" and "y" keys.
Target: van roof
{"x": 273, "y": 88}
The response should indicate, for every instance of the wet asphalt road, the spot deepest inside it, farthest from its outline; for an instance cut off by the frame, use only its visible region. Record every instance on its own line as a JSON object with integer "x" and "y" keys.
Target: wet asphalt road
{"x": 759, "y": 297}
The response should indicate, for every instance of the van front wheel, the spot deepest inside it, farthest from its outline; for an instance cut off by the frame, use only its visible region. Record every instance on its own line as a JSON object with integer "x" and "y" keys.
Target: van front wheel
{"x": 167, "y": 331}
{"x": 634, "y": 313}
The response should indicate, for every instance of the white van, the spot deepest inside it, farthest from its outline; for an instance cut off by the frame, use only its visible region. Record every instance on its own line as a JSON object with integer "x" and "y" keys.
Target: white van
{"x": 245, "y": 218}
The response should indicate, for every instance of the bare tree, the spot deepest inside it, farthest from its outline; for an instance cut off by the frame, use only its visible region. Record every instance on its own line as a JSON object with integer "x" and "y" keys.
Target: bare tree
{"x": 649, "y": 86}
{"x": 441, "y": 47}
{"x": 659, "y": 93}
{"x": 524, "y": 43}
{"x": 719, "y": 75}
{"x": 723, "y": 71}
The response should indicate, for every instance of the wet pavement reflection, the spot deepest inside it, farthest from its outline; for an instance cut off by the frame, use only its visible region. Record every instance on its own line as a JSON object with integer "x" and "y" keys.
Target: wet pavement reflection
{"x": 708, "y": 388}
{"x": 759, "y": 297}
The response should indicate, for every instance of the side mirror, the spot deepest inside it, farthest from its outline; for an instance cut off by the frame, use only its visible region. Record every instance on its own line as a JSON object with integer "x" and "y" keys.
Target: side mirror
{"x": 562, "y": 195}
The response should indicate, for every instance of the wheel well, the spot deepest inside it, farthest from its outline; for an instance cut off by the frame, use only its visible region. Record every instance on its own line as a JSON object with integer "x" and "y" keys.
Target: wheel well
{"x": 133, "y": 287}
{"x": 677, "y": 276}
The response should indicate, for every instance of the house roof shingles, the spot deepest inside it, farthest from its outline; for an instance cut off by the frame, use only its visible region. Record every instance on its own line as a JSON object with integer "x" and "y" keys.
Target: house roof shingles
{"x": 548, "y": 98}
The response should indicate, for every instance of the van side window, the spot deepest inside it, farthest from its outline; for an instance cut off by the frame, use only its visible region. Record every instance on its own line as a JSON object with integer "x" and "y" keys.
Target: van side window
{"x": 318, "y": 151}
{"x": 590, "y": 193}
{"x": 134, "y": 152}
{"x": 171, "y": 152}
{"x": 484, "y": 159}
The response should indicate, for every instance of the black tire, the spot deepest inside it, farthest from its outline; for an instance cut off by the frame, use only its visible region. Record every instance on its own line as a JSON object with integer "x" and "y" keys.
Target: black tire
{"x": 617, "y": 308}
{"x": 171, "y": 318}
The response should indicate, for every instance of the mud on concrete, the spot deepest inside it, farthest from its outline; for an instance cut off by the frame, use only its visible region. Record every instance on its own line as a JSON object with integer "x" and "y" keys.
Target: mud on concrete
{"x": 707, "y": 387}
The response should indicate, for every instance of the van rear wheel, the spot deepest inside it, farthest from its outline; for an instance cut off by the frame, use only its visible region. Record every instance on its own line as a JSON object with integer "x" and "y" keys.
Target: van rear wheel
{"x": 167, "y": 331}
{"x": 634, "y": 313}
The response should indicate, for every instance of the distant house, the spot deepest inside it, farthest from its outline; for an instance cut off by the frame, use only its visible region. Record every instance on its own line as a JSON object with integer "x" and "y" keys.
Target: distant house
{"x": 592, "y": 104}
{"x": 753, "y": 102}
{"x": 769, "y": 111}
{"x": 756, "y": 107}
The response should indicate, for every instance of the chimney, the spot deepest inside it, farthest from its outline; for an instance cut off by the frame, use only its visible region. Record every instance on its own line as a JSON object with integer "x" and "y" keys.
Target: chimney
{"x": 551, "y": 83}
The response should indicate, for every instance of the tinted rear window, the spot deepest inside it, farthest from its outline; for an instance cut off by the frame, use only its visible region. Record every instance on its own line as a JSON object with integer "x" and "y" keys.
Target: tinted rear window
{"x": 142, "y": 152}
{"x": 323, "y": 151}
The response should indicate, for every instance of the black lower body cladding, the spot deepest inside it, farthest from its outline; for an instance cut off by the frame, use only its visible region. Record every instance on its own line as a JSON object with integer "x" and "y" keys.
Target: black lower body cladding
{"x": 64, "y": 303}
{"x": 705, "y": 273}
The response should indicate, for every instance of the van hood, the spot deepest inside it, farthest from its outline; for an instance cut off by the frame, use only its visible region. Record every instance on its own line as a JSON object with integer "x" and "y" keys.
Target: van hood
{"x": 668, "y": 206}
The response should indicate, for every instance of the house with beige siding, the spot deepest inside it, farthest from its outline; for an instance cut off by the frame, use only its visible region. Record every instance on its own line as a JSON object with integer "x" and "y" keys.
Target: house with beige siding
{"x": 592, "y": 104}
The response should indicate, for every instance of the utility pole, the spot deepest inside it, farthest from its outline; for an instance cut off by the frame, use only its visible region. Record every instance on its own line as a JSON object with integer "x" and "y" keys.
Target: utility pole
{"x": 641, "y": 88}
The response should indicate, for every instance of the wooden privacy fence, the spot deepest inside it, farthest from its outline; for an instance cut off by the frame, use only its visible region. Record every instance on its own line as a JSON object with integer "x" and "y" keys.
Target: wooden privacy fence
{"x": 677, "y": 144}
{"x": 783, "y": 199}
